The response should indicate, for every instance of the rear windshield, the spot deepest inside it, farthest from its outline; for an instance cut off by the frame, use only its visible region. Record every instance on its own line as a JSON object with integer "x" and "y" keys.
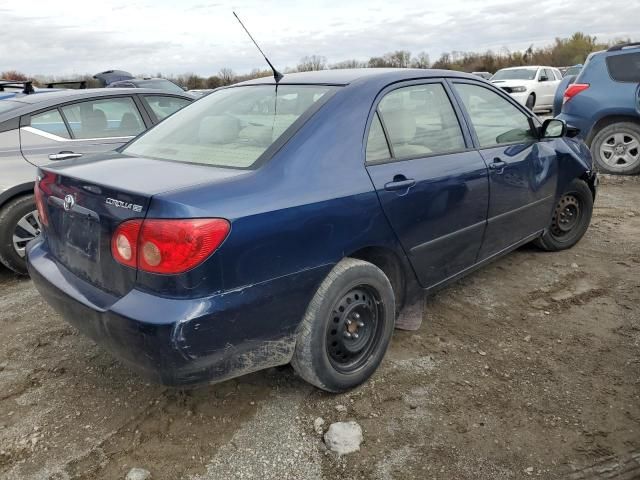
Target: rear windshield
{"x": 231, "y": 127}
{"x": 624, "y": 67}
{"x": 159, "y": 84}
{"x": 515, "y": 74}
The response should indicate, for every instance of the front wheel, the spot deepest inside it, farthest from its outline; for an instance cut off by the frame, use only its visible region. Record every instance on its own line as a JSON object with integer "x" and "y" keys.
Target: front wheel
{"x": 347, "y": 327}
{"x": 570, "y": 219}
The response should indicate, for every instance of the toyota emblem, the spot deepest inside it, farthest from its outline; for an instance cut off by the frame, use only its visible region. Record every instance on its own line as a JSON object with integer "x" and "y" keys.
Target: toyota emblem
{"x": 69, "y": 202}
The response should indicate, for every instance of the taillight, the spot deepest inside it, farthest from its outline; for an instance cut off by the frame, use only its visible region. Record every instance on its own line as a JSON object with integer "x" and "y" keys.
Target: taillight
{"x": 167, "y": 246}
{"x": 572, "y": 90}
{"x": 42, "y": 186}
{"x": 124, "y": 243}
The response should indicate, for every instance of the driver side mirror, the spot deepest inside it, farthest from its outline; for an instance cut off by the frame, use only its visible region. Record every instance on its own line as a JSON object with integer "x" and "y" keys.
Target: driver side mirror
{"x": 543, "y": 78}
{"x": 553, "y": 128}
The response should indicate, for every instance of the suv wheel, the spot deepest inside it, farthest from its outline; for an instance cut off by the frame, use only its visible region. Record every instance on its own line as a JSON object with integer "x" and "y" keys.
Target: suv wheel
{"x": 347, "y": 327}
{"x": 19, "y": 224}
{"x": 616, "y": 148}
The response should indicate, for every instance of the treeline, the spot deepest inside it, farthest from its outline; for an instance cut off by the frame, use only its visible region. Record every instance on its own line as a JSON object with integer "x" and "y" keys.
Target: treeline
{"x": 563, "y": 52}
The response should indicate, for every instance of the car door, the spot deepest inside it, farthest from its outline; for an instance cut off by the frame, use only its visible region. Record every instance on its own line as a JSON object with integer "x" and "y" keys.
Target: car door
{"x": 548, "y": 86}
{"x": 431, "y": 182}
{"x": 160, "y": 107}
{"x": 523, "y": 170}
{"x": 75, "y": 129}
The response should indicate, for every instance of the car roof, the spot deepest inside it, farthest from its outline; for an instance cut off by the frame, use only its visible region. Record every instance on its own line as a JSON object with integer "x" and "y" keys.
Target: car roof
{"x": 352, "y": 75}
{"x": 33, "y": 102}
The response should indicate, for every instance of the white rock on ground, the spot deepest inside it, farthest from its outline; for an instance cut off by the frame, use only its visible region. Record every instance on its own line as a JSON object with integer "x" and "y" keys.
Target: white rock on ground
{"x": 318, "y": 425}
{"x": 138, "y": 474}
{"x": 343, "y": 437}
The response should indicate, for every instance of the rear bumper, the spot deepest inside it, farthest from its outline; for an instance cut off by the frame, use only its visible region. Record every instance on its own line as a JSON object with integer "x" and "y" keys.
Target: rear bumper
{"x": 178, "y": 342}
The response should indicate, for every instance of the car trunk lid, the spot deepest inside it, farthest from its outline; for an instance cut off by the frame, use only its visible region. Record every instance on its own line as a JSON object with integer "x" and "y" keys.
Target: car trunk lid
{"x": 85, "y": 202}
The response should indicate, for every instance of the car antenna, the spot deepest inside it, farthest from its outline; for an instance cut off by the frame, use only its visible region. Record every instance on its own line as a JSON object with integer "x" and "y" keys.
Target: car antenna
{"x": 276, "y": 74}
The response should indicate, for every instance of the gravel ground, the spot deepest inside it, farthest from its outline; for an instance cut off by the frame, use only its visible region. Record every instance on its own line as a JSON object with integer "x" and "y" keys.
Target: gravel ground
{"x": 529, "y": 368}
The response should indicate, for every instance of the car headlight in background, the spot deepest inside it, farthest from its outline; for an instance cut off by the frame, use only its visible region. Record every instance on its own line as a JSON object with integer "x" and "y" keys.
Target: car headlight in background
{"x": 518, "y": 89}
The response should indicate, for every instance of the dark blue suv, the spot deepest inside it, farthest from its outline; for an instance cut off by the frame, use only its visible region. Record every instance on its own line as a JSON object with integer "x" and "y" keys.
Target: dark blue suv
{"x": 604, "y": 104}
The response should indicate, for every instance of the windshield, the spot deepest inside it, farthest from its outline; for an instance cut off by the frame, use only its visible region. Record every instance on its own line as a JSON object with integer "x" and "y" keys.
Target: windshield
{"x": 6, "y": 105}
{"x": 516, "y": 74}
{"x": 231, "y": 127}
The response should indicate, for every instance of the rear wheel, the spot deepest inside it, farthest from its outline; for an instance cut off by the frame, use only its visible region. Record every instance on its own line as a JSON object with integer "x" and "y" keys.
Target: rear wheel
{"x": 571, "y": 218}
{"x": 531, "y": 101}
{"x": 347, "y": 327}
{"x": 616, "y": 148}
{"x": 19, "y": 224}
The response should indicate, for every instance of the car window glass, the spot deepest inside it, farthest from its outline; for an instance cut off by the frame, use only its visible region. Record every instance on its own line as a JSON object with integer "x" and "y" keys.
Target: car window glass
{"x": 420, "y": 121}
{"x": 50, "y": 122}
{"x": 164, "y": 106}
{"x": 625, "y": 67}
{"x": 231, "y": 127}
{"x": 111, "y": 117}
{"x": 377, "y": 148}
{"x": 495, "y": 120}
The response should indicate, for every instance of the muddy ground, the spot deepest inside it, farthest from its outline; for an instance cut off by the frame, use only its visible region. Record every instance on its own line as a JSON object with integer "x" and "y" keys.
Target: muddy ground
{"x": 529, "y": 368}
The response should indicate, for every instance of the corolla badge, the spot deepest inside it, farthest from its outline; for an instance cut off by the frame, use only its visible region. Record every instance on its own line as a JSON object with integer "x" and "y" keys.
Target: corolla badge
{"x": 121, "y": 204}
{"x": 69, "y": 202}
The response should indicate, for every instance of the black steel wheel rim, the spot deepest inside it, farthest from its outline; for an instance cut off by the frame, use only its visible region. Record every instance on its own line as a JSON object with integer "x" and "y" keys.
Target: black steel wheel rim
{"x": 566, "y": 216}
{"x": 355, "y": 327}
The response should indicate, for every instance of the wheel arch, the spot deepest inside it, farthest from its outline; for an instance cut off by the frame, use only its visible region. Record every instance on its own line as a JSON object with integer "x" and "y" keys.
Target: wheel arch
{"x": 605, "y": 122}
{"x": 396, "y": 268}
{"x": 16, "y": 191}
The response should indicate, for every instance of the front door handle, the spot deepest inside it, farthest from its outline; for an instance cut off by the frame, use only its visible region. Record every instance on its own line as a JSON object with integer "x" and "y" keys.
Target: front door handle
{"x": 498, "y": 165}
{"x": 400, "y": 182}
{"x": 64, "y": 155}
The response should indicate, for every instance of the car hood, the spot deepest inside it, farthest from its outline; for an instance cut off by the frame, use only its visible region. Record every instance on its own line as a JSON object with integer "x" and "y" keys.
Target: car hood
{"x": 513, "y": 83}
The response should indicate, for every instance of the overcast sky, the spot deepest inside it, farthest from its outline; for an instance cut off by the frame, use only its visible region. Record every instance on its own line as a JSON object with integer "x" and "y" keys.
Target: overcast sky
{"x": 200, "y": 36}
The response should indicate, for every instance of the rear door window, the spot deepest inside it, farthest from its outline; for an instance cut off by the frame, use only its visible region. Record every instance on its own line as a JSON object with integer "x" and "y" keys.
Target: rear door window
{"x": 50, "y": 122}
{"x": 420, "y": 121}
{"x": 162, "y": 105}
{"x": 377, "y": 147}
{"x": 624, "y": 67}
{"x": 104, "y": 118}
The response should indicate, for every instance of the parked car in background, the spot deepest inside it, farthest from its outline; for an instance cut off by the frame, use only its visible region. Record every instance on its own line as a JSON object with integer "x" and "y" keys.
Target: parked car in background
{"x": 533, "y": 87}
{"x": 200, "y": 92}
{"x": 217, "y": 244}
{"x": 574, "y": 70}
{"x": 485, "y": 75}
{"x": 604, "y": 104}
{"x": 122, "y": 79}
{"x": 38, "y": 129}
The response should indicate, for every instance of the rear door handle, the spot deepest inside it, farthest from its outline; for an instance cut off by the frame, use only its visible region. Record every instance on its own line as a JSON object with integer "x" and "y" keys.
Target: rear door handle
{"x": 498, "y": 165}
{"x": 64, "y": 155}
{"x": 400, "y": 182}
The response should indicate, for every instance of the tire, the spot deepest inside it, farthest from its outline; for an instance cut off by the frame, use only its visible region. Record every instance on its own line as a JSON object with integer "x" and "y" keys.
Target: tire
{"x": 17, "y": 211}
{"x": 531, "y": 101}
{"x": 338, "y": 350}
{"x": 616, "y": 148}
{"x": 571, "y": 218}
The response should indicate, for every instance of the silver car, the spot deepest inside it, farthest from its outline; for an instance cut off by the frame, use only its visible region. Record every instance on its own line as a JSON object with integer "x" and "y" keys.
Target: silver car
{"x": 60, "y": 125}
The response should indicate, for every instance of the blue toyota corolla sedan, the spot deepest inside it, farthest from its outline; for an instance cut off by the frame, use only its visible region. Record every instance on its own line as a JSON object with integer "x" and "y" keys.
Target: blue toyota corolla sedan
{"x": 295, "y": 222}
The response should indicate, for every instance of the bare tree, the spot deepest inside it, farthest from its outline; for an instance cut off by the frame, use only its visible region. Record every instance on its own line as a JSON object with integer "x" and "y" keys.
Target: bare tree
{"x": 349, "y": 64}
{"x": 421, "y": 61}
{"x": 313, "y": 62}
{"x": 227, "y": 76}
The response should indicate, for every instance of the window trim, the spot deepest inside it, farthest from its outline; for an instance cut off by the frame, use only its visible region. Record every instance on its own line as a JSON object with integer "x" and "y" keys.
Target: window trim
{"x": 462, "y": 122}
{"x": 499, "y": 92}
